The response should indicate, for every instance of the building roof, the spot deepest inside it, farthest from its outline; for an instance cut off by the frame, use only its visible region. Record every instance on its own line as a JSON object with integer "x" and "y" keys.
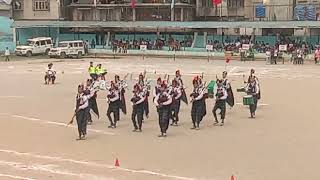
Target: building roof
{"x": 169, "y": 24}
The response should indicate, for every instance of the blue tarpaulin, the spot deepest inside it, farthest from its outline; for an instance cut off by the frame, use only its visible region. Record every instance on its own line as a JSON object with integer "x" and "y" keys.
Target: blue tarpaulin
{"x": 260, "y": 11}
{"x": 305, "y": 13}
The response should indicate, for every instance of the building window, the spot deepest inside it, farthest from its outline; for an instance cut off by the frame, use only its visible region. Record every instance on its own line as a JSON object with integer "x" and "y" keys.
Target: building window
{"x": 41, "y": 5}
{"x": 235, "y": 3}
{"x": 17, "y": 5}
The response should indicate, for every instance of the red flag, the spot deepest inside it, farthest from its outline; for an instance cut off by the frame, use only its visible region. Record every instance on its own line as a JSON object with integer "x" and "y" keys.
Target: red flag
{"x": 216, "y": 2}
{"x": 228, "y": 59}
{"x": 133, "y": 3}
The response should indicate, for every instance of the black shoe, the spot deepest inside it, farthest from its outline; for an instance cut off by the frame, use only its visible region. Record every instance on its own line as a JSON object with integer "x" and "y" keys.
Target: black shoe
{"x": 111, "y": 126}
{"x": 175, "y": 124}
{"x": 222, "y": 123}
{"x": 216, "y": 123}
{"x": 164, "y": 135}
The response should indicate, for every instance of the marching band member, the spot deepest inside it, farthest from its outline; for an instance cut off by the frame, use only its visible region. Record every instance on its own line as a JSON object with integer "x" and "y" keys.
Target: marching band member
{"x": 252, "y": 75}
{"x": 221, "y": 97}
{"x": 253, "y": 89}
{"x": 163, "y": 101}
{"x": 113, "y": 100}
{"x": 178, "y": 78}
{"x": 227, "y": 86}
{"x": 82, "y": 106}
{"x": 145, "y": 87}
{"x": 121, "y": 85}
{"x": 50, "y": 74}
{"x": 157, "y": 88}
{"x": 180, "y": 84}
{"x": 137, "y": 108}
{"x": 176, "y": 93}
{"x": 92, "y": 88}
{"x": 198, "y": 110}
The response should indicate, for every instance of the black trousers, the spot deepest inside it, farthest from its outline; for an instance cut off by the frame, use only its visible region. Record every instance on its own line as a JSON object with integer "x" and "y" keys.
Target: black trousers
{"x": 113, "y": 108}
{"x": 253, "y": 107}
{"x": 164, "y": 116}
{"x": 220, "y": 104}
{"x": 197, "y": 112}
{"x": 174, "y": 111}
{"x": 146, "y": 107}
{"x": 137, "y": 116}
{"x": 82, "y": 121}
{"x": 50, "y": 77}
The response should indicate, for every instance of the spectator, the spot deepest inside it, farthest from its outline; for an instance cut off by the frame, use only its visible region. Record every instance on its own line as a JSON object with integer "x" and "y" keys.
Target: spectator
{"x": 7, "y": 54}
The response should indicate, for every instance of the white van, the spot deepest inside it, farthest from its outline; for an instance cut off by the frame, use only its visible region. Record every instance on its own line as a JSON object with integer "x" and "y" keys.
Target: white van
{"x": 39, "y": 45}
{"x": 68, "y": 49}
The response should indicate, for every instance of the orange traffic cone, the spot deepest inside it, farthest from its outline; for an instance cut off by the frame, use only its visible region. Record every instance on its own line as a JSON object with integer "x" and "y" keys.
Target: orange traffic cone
{"x": 232, "y": 178}
{"x": 117, "y": 164}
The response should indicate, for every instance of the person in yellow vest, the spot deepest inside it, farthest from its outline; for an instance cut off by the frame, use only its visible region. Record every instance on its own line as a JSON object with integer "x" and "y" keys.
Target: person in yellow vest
{"x": 92, "y": 71}
{"x": 101, "y": 72}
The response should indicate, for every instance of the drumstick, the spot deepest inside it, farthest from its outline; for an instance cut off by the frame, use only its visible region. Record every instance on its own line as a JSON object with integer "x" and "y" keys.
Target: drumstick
{"x": 71, "y": 122}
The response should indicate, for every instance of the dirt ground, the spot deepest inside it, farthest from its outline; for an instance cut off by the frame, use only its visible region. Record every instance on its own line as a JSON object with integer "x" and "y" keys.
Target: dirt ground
{"x": 280, "y": 144}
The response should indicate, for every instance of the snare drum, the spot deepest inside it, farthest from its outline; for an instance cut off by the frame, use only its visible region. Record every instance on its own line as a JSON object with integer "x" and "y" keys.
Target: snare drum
{"x": 248, "y": 100}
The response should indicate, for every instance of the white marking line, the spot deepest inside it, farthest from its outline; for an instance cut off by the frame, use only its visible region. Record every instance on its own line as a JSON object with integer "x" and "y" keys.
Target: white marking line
{"x": 60, "y": 159}
{"x": 259, "y": 104}
{"x": 48, "y": 169}
{"x": 59, "y": 124}
{"x": 4, "y": 97}
{"x": 15, "y": 177}
{"x": 233, "y": 69}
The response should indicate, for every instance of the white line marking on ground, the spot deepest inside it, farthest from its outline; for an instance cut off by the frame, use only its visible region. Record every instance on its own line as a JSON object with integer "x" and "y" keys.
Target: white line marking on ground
{"x": 259, "y": 104}
{"x": 5, "y": 97}
{"x": 59, "y": 124}
{"x": 15, "y": 177}
{"x": 48, "y": 169}
{"x": 233, "y": 69}
{"x": 60, "y": 159}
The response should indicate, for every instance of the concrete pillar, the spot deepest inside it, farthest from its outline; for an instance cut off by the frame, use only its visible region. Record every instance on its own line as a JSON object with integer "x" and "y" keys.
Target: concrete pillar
{"x": 108, "y": 38}
{"x": 181, "y": 15}
{"x": 172, "y": 14}
{"x": 57, "y": 38}
{"x": 205, "y": 38}
{"x": 134, "y": 14}
{"x": 14, "y": 35}
{"x": 195, "y": 36}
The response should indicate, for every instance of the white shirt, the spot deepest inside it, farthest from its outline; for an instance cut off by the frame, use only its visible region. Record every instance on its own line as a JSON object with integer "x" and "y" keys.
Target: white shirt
{"x": 178, "y": 91}
{"x": 140, "y": 95}
{"x": 169, "y": 101}
{"x": 225, "y": 94}
{"x": 7, "y": 52}
{"x": 116, "y": 95}
{"x": 85, "y": 102}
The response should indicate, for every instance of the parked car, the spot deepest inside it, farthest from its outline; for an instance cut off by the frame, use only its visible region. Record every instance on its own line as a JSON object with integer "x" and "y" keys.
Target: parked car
{"x": 68, "y": 49}
{"x": 39, "y": 45}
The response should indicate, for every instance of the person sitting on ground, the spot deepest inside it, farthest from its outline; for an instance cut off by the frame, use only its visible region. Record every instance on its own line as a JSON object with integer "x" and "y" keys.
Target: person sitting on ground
{"x": 50, "y": 74}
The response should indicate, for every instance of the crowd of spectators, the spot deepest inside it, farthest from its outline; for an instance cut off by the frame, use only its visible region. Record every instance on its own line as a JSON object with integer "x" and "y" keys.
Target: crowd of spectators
{"x": 122, "y": 45}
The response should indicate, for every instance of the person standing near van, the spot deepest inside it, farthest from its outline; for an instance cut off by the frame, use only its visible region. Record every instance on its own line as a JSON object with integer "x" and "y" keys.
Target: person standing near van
{"x": 7, "y": 54}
